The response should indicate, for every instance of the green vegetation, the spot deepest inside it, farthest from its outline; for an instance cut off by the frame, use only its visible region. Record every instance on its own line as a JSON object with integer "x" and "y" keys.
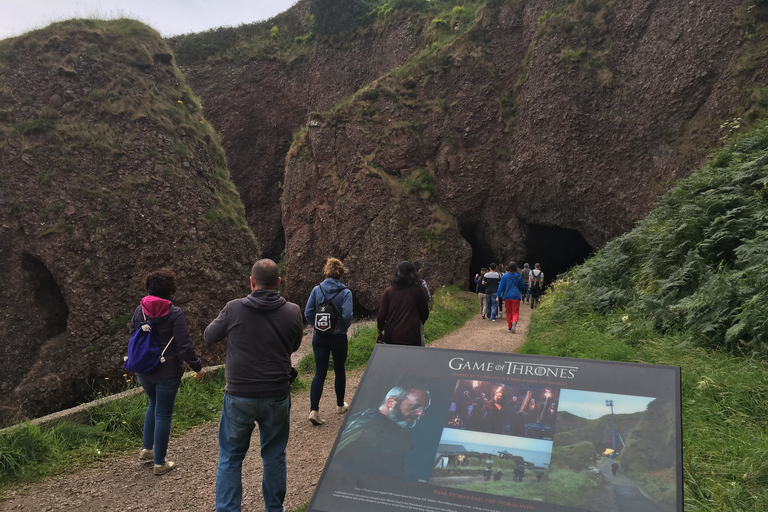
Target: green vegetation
{"x": 30, "y": 452}
{"x": 295, "y": 32}
{"x": 139, "y": 91}
{"x": 688, "y": 287}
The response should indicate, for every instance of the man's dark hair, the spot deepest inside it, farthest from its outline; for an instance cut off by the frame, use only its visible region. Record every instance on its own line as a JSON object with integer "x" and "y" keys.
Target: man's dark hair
{"x": 265, "y": 273}
{"x": 512, "y": 266}
{"x": 493, "y": 266}
{"x": 161, "y": 283}
{"x": 405, "y": 275}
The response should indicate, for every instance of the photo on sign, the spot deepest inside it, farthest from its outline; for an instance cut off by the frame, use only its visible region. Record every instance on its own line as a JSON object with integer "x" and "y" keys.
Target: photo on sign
{"x": 509, "y": 466}
{"x": 509, "y": 409}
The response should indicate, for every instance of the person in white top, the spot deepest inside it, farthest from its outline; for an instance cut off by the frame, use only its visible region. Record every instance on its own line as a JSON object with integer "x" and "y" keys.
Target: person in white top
{"x": 536, "y": 284}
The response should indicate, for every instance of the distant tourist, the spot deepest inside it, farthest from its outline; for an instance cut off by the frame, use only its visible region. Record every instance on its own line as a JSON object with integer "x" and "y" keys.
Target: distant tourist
{"x": 329, "y": 339}
{"x": 491, "y": 280}
{"x": 524, "y": 275}
{"x": 510, "y": 291}
{"x": 162, "y": 383}
{"x": 536, "y": 284}
{"x": 481, "y": 290}
{"x": 262, "y": 331}
{"x": 403, "y": 308}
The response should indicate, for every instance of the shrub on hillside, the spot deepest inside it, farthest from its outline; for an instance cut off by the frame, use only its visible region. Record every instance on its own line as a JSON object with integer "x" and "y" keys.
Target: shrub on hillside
{"x": 699, "y": 261}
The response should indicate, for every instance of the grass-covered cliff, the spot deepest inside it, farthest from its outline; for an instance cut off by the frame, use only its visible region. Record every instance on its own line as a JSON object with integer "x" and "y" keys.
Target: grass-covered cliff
{"x": 688, "y": 287}
{"x": 108, "y": 170}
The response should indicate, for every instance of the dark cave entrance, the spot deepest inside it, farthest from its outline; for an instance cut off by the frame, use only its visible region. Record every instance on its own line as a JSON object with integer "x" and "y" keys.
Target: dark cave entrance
{"x": 48, "y": 299}
{"x": 557, "y": 249}
{"x": 482, "y": 254}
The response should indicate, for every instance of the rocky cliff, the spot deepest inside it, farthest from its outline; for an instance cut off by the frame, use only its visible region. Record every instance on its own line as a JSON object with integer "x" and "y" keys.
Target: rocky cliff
{"x": 108, "y": 171}
{"x": 535, "y": 130}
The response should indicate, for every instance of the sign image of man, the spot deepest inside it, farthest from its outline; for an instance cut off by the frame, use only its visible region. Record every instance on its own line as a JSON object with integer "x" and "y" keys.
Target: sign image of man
{"x": 377, "y": 440}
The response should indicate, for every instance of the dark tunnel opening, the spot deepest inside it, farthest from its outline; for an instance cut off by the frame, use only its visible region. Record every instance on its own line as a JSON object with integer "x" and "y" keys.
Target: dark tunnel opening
{"x": 47, "y": 295}
{"x": 482, "y": 254}
{"x": 556, "y": 249}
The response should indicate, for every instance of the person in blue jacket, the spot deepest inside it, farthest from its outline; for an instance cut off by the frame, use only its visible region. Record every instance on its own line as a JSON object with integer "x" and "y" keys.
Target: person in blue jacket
{"x": 510, "y": 291}
{"x": 327, "y": 342}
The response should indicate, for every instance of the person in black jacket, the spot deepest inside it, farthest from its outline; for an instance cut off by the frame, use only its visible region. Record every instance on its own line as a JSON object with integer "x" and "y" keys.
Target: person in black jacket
{"x": 162, "y": 383}
{"x": 262, "y": 331}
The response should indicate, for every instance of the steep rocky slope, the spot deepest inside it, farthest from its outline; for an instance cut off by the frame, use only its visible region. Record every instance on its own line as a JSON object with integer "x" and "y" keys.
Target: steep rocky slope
{"x": 535, "y": 130}
{"x": 108, "y": 171}
{"x": 258, "y": 105}
{"x": 544, "y": 131}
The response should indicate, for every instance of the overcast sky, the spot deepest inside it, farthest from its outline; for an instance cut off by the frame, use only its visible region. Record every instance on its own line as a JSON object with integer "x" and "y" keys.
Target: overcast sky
{"x": 169, "y": 17}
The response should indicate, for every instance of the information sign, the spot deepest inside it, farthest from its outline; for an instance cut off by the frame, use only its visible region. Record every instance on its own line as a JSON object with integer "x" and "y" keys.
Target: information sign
{"x": 436, "y": 430}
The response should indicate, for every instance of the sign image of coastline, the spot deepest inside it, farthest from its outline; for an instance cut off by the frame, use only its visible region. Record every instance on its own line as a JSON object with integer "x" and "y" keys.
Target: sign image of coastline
{"x": 438, "y": 430}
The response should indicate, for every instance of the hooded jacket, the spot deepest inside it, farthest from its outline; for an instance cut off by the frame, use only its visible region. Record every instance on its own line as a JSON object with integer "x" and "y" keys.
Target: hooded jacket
{"x": 342, "y": 301}
{"x": 167, "y": 321}
{"x": 258, "y": 363}
{"x": 511, "y": 286}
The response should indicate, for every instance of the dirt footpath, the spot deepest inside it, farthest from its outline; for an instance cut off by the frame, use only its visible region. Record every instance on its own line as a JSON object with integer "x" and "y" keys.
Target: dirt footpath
{"x": 121, "y": 483}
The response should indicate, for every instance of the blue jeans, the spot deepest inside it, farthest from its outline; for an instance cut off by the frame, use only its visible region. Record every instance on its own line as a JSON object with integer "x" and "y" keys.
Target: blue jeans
{"x": 157, "y": 421}
{"x": 491, "y": 306}
{"x": 235, "y": 429}
{"x": 324, "y": 347}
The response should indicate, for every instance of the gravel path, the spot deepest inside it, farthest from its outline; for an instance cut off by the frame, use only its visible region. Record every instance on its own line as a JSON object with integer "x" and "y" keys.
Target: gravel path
{"x": 121, "y": 483}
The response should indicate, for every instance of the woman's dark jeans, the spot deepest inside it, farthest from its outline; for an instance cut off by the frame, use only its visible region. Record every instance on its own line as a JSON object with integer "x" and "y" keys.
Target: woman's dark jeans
{"x": 324, "y": 347}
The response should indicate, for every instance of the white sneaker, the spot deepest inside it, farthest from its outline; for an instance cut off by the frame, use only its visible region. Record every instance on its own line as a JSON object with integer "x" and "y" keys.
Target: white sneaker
{"x": 315, "y": 418}
{"x": 341, "y": 409}
{"x": 514, "y": 327}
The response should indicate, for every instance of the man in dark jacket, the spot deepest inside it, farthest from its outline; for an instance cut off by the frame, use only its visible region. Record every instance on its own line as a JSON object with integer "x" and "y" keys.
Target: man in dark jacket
{"x": 262, "y": 331}
{"x": 376, "y": 440}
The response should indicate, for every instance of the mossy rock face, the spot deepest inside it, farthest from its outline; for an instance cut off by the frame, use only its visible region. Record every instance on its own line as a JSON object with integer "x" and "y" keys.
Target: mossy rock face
{"x": 96, "y": 193}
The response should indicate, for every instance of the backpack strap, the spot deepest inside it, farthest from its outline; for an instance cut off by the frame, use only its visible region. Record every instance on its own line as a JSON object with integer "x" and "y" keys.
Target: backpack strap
{"x": 162, "y": 354}
{"x": 332, "y": 297}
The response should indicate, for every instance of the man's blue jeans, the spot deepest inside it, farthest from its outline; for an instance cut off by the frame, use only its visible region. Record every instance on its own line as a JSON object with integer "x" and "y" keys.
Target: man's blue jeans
{"x": 157, "y": 421}
{"x": 235, "y": 429}
{"x": 491, "y": 306}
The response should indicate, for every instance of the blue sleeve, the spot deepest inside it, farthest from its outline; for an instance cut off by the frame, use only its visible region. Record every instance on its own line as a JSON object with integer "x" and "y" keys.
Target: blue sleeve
{"x": 309, "y": 310}
{"x": 346, "y": 309}
{"x": 502, "y": 286}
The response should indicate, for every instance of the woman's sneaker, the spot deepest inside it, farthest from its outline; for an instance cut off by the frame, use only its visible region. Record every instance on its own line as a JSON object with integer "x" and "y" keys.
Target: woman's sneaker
{"x": 315, "y": 419}
{"x": 146, "y": 456}
{"x": 341, "y": 409}
{"x": 161, "y": 469}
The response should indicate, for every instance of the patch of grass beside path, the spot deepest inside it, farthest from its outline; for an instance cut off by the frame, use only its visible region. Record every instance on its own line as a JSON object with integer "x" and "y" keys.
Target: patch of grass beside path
{"x": 724, "y": 397}
{"x": 32, "y": 452}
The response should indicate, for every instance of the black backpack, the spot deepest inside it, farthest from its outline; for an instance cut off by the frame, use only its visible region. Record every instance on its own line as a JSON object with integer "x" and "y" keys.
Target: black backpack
{"x": 535, "y": 281}
{"x": 326, "y": 316}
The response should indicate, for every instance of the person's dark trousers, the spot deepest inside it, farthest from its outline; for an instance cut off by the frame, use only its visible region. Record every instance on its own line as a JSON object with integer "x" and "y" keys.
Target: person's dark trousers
{"x": 324, "y": 347}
